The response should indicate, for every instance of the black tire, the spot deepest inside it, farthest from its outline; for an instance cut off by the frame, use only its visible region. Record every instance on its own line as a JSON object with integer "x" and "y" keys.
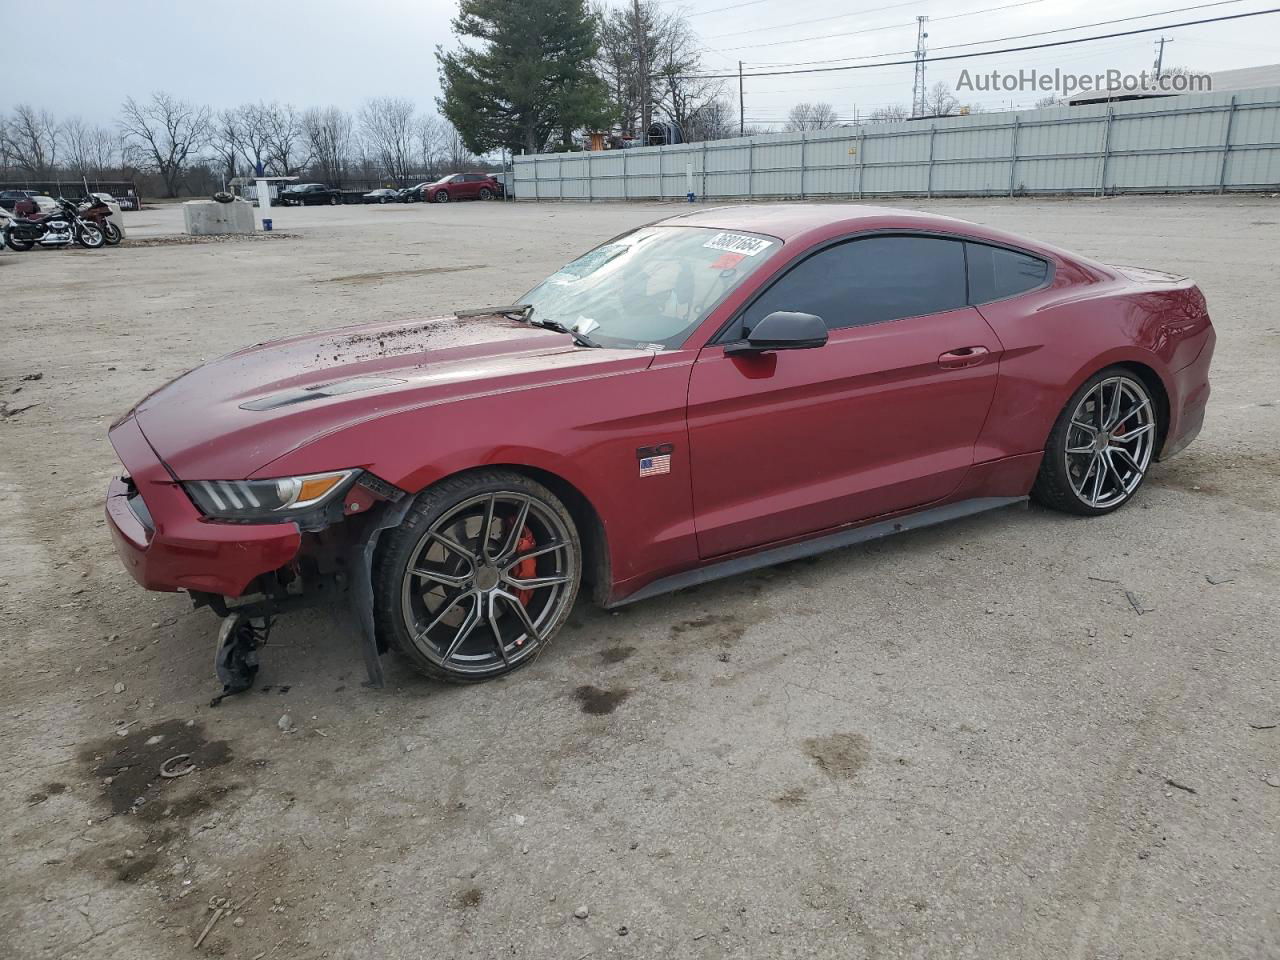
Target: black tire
{"x": 112, "y": 233}
{"x": 1056, "y": 483}
{"x": 90, "y": 236}
{"x": 409, "y": 542}
{"x": 15, "y": 243}
{"x": 333, "y": 201}
{"x": 442, "y": 196}
{"x": 383, "y": 200}
{"x": 486, "y": 193}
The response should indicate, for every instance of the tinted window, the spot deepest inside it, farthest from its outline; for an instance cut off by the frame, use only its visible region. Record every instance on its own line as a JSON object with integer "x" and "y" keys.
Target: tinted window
{"x": 870, "y": 281}
{"x": 995, "y": 273}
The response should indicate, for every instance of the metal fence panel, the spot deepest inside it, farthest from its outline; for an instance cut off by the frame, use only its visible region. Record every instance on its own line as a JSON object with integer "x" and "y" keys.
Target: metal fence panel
{"x": 1215, "y": 141}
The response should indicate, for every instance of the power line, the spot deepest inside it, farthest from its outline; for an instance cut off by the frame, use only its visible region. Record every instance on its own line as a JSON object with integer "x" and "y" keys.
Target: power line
{"x": 1020, "y": 36}
{"x": 892, "y": 26}
{"x": 988, "y": 53}
{"x": 805, "y": 23}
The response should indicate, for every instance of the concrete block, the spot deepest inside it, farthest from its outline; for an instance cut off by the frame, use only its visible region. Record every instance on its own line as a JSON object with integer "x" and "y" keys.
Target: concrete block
{"x": 208, "y": 217}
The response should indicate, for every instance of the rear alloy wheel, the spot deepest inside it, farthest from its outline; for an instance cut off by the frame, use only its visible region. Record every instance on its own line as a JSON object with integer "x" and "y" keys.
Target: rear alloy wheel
{"x": 485, "y": 193}
{"x": 1101, "y": 446}
{"x": 480, "y": 576}
{"x": 442, "y": 196}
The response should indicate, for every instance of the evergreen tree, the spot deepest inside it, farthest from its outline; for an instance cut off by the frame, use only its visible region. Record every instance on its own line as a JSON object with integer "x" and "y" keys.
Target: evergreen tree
{"x": 529, "y": 79}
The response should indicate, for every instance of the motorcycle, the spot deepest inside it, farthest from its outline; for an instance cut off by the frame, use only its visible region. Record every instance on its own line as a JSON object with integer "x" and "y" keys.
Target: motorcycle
{"x": 57, "y": 229}
{"x": 94, "y": 209}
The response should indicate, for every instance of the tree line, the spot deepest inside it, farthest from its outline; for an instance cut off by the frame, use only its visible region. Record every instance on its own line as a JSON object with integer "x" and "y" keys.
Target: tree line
{"x": 174, "y": 146}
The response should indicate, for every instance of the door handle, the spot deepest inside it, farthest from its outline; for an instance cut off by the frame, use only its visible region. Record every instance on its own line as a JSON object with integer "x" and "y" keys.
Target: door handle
{"x": 962, "y": 357}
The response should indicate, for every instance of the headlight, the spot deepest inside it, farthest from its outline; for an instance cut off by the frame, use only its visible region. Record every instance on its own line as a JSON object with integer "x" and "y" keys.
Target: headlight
{"x": 266, "y": 499}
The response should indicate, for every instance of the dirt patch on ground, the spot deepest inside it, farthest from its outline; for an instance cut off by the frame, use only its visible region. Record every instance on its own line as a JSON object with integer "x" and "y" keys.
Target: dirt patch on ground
{"x": 129, "y": 768}
{"x": 839, "y": 755}
{"x": 617, "y": 654}
{"x": 401, "y": 274}
{"x": 599, "y": 702}
{"x": 718, "y": 628}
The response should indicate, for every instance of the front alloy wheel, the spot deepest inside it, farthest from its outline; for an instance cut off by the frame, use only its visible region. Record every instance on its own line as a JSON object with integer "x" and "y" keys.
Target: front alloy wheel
{"x": 1100, "y": 449}
{"x": 481, "y": 575}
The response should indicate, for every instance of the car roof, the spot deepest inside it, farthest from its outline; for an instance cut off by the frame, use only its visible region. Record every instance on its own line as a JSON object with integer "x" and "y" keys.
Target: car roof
{"x": 790, "y": 221}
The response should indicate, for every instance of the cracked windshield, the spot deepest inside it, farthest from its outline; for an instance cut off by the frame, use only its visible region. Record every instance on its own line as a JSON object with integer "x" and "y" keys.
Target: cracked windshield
{"x": 650, "y": 288}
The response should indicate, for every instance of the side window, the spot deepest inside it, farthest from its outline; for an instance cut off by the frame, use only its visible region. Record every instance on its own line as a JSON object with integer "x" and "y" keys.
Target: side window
{"x": 996, "y": 273}
{"x": 475, "y": 177}
{"x": 873, "y": 280}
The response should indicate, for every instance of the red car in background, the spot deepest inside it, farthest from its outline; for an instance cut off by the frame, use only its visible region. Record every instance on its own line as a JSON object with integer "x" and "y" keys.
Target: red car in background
{"x": 694, "y": 399}
{"x": 463, "y": 186}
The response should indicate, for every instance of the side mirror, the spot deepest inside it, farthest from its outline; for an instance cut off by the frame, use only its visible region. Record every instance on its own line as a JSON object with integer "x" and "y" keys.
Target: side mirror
{"x": 782, "y": 331}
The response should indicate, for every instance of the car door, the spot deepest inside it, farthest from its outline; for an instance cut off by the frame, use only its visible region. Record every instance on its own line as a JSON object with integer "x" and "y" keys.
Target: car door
{"x": 882, "y": 418}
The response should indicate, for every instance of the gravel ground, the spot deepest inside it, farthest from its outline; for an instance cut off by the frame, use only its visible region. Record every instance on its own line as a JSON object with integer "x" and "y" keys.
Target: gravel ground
{"x": 964, "y": 741}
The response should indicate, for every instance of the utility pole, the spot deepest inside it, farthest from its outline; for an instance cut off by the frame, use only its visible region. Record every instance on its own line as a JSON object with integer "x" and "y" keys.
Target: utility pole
{"x": 642, "y": 67}
{"x": 917, "y": 87}
{"x": 1160, "y": 55}
{"x": 741, "y": 115}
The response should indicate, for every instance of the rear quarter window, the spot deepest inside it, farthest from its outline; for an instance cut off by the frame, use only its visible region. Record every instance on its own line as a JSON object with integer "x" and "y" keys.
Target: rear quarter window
{"x": 997, "y": 274}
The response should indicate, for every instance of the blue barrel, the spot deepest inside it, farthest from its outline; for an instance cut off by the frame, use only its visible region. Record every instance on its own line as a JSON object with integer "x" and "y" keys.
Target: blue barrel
{"x": 266, "y": 224}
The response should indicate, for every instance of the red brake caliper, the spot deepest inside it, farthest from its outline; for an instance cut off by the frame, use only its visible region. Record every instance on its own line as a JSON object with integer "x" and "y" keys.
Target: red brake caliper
{"x": 526, "y": 568}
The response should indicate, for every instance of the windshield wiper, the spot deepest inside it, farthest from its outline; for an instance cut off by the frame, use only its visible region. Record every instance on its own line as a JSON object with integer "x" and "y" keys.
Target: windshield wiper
{"x": 580, "y": 338}
{"x": 525, "y": 312}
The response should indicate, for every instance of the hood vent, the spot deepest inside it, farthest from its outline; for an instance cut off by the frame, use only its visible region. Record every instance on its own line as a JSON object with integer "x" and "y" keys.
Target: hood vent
{"x": 288, "y": 398}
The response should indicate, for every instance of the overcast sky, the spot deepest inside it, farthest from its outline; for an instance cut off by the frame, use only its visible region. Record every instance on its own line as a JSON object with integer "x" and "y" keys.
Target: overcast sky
{"x": 322, "y": 52}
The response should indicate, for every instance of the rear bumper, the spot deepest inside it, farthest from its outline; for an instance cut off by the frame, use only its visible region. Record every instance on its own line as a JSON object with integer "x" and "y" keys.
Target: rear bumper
{"x": 166, "y": 544}
{"x": 1188, "y": 400}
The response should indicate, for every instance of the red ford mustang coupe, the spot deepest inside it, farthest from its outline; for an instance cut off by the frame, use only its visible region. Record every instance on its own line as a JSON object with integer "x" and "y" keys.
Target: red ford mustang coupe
{"x": 696, "y": 398}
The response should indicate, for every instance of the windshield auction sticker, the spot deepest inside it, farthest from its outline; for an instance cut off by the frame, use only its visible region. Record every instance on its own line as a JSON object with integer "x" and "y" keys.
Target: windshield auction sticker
{"x": 738, "y": 243}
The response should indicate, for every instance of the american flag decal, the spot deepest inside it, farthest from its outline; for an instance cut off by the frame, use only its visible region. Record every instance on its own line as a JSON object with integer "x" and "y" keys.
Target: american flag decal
{"x": 652, "y": 466}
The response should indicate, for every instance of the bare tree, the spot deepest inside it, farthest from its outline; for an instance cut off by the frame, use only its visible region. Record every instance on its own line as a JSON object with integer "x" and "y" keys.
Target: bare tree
{"x": 253, "y": 137}
{"x": 892, "y": 112}
{"x": 713, "y": 120}
{"x": 328, "y": 134}
{"x": 387, "y": 126}
{"x": 648, "y": 58}
{"x": 104, "y": 151}
{"x": 430, "y": 136}
{"x": 224, "y": 140}
{"x": 456, "y": 155}
{"x": 284, "y": 137}
{"x": 811, "y": 116}
{"x": 680, "y": 93}
{"x": 30, "y": 140}
{"x": 940, "y": 101}
{"x": 76, "y": 138}
{"x": 164, "y": 133}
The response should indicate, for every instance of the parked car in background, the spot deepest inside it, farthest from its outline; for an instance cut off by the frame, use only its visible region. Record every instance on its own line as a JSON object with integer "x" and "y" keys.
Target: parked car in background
{"x": 10, "y": 197}
{"x": 463, "y": 186}
{"x": 383, "y": 195}
{"x": 412, "y": 194}
{"x": 306, "y": 194}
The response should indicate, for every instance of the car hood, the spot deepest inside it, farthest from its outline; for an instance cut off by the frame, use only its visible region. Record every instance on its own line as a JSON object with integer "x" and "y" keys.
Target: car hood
{"x": 231, "y": 417}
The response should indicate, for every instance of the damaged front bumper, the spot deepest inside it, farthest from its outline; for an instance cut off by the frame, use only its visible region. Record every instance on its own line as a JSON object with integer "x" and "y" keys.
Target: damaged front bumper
{"x": 165, "y": 543}
{"x": 249, "y": 570}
